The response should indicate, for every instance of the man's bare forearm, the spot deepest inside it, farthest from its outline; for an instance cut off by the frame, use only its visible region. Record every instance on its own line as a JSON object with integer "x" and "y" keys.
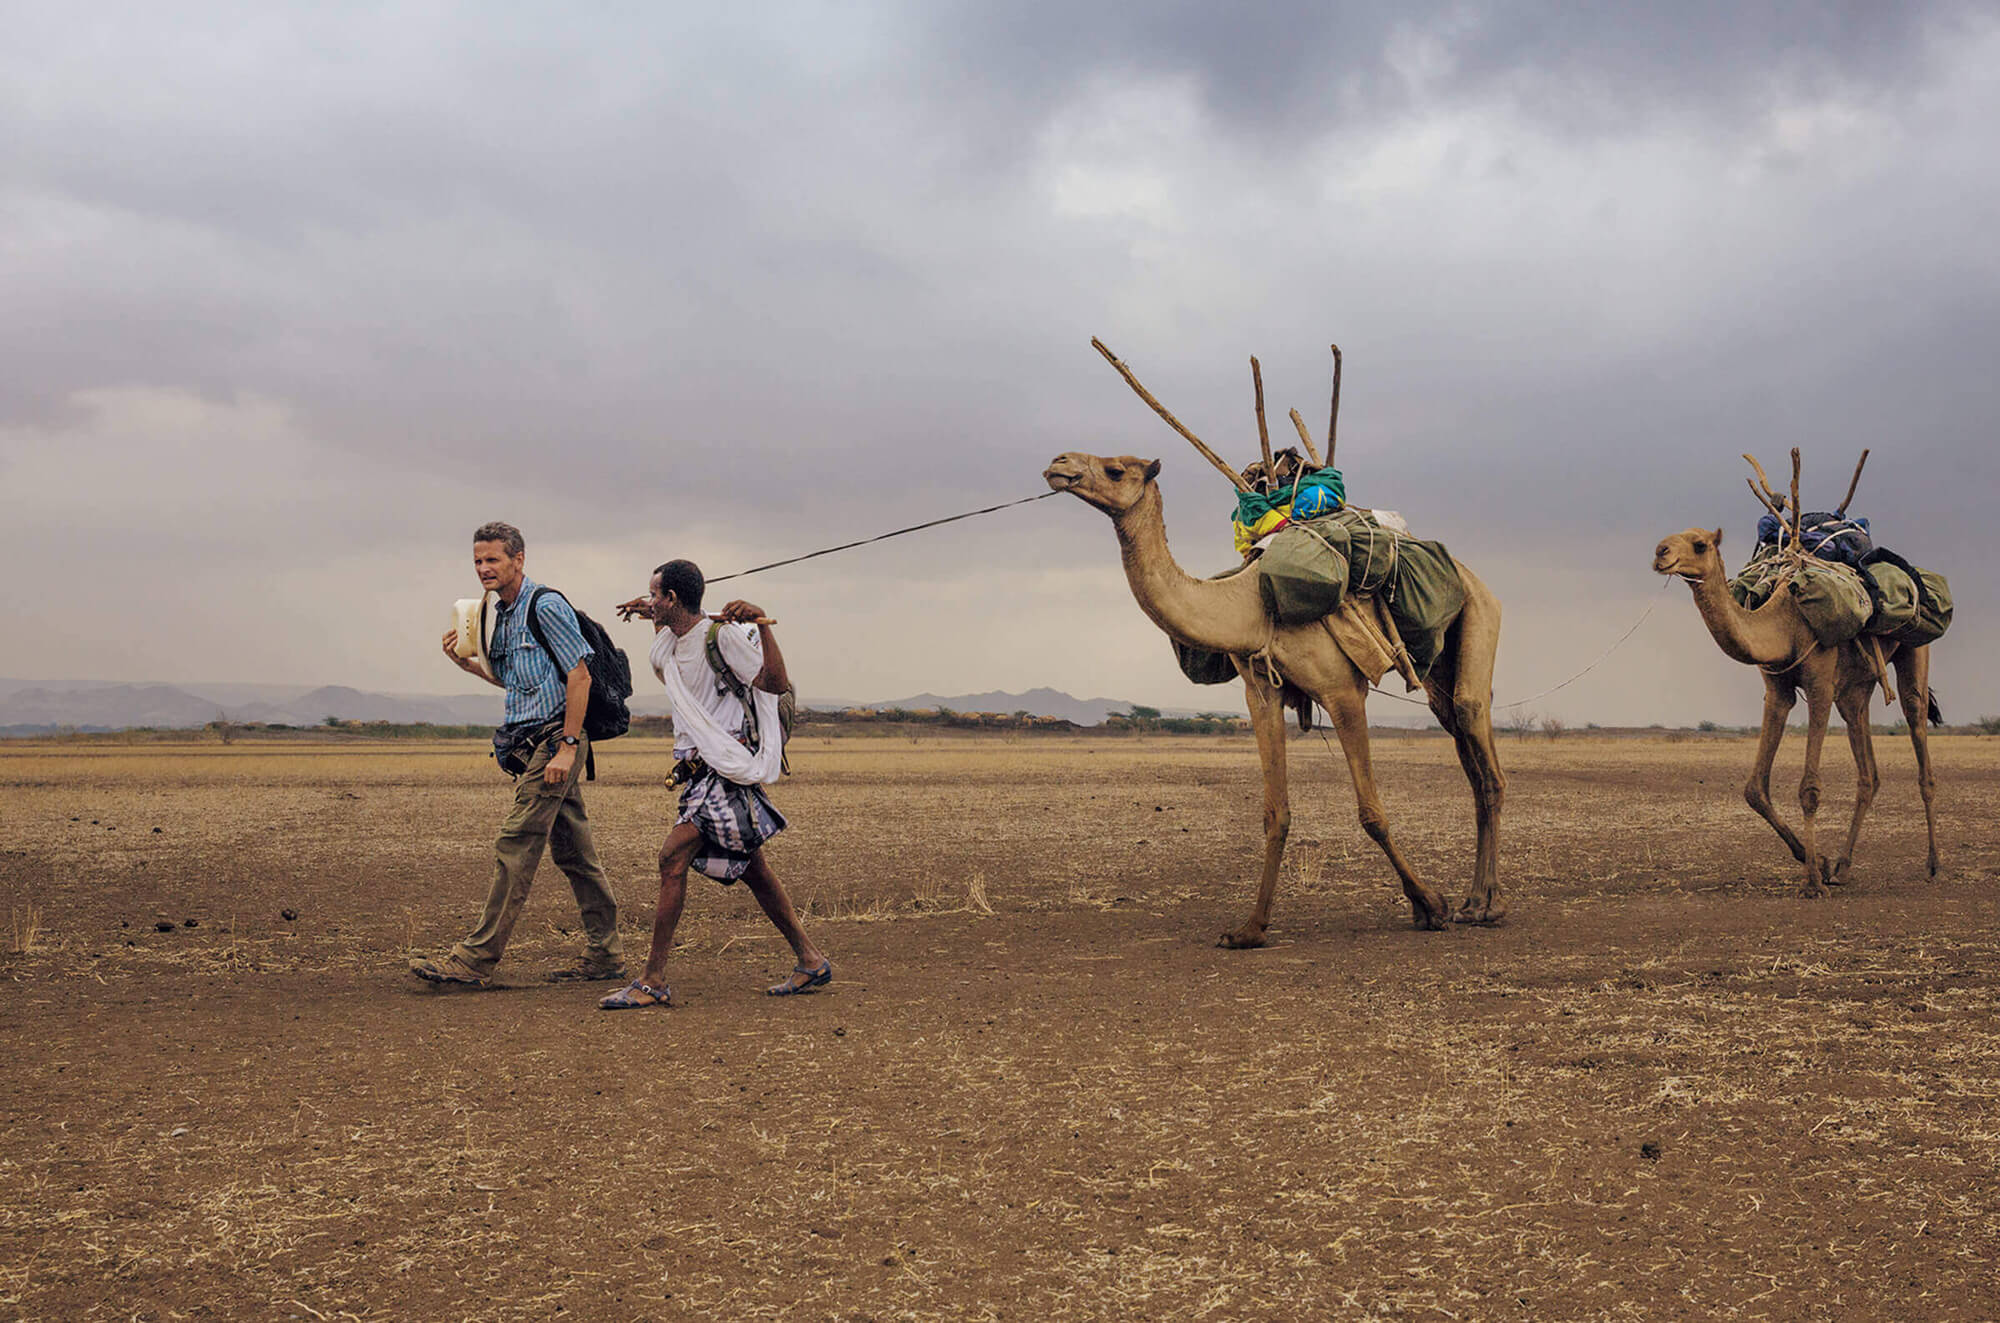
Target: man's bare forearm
{"x": 576, "y": 698}
{"x": 773, "y": 679}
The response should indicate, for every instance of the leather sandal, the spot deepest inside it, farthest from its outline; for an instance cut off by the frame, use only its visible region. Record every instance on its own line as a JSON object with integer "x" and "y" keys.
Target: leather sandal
{"x": 637, "y": 996}
{"x": 815, "y": 978}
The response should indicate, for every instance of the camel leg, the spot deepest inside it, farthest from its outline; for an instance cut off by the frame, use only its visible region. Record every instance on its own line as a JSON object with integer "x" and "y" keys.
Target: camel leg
{"x": 1429, "y": 909}
{"x": 1913, "y": 678}
{"x": 1778, "y": 700}
{"x": 1819, "y": 706}
{"x": 1461, "y": 697}
{"x": 1853, "y": 704}
{"x": 1267, "y": 716}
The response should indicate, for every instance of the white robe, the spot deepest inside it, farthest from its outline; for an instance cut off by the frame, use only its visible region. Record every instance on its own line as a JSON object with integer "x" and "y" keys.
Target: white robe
{"x": 706, "y": 714}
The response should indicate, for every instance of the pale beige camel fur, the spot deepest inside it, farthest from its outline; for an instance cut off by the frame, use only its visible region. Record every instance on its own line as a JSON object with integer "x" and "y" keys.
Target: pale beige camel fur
{"x": 1227, "y": 615}
{"x": 1776, "y": 639}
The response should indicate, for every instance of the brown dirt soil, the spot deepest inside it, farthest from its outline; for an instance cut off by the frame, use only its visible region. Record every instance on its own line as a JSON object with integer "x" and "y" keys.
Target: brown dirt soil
{"x": 1667, "y": 1088}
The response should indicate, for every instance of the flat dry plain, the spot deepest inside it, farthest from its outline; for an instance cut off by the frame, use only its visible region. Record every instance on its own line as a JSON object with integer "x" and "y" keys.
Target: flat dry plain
{"x": 1666, "y": 1088}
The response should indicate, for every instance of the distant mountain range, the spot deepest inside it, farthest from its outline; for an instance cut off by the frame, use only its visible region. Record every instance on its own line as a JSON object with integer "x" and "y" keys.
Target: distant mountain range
{"x": 42, "y": 707}
{"x": 27, "y": 709}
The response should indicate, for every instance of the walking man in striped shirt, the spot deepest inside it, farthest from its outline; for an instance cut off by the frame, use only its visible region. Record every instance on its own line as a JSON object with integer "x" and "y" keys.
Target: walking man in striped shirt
{"x": 542, "y": 664}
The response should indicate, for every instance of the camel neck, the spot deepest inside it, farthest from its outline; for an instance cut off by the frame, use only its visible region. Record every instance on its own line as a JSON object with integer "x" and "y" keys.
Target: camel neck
{"x": 1226, "y": 615}
{"x": 1768, "y": 636}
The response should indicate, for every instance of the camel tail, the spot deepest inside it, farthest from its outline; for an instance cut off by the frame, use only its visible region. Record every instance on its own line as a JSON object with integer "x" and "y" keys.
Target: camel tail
{"x": 1936, "y": 713}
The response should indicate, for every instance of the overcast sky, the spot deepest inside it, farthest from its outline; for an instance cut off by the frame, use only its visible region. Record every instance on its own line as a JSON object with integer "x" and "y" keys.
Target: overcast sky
{"x": 296, "y": 296}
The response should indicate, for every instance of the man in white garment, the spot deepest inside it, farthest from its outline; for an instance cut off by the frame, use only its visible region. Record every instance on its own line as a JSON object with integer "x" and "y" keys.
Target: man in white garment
{"x": 729, "y": 746}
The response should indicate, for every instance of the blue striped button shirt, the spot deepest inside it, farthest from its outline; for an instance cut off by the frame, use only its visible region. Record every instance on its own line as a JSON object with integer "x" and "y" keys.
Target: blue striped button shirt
{"x": 536, "y": 683}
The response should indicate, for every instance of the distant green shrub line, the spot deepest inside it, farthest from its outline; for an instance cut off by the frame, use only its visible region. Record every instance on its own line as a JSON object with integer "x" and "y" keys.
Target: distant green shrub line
{"x": 1140, "y": 720}
{"x": 380, "y": 730}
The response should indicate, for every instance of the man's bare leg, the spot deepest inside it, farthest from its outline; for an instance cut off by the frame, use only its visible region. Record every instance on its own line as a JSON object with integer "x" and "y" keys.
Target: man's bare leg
{"x": 676, "y": 853}
{"x": 770, "y": 894}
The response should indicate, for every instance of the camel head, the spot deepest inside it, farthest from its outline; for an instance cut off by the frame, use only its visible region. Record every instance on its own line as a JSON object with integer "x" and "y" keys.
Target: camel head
{"x": 1692, "y": 554}
{"x": 1112, "y": 484}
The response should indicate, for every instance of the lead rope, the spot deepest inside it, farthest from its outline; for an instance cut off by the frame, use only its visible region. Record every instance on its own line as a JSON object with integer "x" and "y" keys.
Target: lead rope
{"x": 883, "y": 537}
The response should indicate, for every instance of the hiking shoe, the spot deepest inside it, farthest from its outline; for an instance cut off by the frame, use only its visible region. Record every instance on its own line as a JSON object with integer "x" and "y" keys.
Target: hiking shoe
{"x": 449, "y": 970}
{"x": 586, "y": 971}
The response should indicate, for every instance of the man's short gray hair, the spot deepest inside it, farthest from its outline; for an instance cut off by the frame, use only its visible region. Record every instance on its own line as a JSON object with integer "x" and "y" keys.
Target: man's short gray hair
{"x": 508, "y": 536}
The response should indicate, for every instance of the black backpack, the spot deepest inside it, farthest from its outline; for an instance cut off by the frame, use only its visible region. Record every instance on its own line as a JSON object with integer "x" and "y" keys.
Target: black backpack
{"x": 607, "y": 717}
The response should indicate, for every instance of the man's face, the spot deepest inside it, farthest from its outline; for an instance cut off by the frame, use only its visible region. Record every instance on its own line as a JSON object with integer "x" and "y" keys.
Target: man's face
{"x": 498, "y": 572}
{"x": 657, "y": 600}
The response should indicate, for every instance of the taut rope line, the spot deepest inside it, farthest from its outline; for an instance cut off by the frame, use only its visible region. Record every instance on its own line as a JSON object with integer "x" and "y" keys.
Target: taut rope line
{"x": 882, "y": 537}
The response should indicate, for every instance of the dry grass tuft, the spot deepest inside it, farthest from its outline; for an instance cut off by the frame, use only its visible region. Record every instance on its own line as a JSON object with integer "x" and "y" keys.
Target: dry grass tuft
{"x": 24, "y": 929}
{"x": 850, "y": 903}
{"x": 975, "y": 895}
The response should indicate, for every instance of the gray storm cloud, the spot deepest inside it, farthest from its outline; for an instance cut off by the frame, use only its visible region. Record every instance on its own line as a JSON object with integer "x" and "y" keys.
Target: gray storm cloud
{"x": 298, "y": 296}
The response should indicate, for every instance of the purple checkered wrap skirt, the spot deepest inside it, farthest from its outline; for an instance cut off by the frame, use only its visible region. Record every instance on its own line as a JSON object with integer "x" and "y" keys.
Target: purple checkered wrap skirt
{"x": 734, "y": 822}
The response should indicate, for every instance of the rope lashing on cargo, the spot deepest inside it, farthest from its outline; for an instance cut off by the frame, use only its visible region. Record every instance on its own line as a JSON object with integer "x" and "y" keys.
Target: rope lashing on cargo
{"x": 1523, "y": 702}
{"x": 883, "y": 537}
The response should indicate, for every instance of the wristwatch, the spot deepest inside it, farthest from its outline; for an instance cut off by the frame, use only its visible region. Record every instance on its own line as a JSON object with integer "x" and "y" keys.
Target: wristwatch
{"x": 569, "y": 740}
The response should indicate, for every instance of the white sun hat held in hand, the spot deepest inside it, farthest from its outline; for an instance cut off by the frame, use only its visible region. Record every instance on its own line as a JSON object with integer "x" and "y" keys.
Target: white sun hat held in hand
{"x": 474, "y": 624}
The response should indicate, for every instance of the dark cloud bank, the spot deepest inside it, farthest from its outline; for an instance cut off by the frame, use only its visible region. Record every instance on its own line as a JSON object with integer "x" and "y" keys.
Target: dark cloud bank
{"x": 298, "y": 296}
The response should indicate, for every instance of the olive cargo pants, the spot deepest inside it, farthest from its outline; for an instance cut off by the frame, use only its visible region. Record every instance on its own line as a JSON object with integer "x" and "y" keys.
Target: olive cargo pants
{"x": 551, "y": 816}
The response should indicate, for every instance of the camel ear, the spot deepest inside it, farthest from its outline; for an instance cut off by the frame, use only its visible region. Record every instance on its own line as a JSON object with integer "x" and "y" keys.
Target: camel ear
{"x": 1715, "y": 538}
{"x": 1152, "y": 470}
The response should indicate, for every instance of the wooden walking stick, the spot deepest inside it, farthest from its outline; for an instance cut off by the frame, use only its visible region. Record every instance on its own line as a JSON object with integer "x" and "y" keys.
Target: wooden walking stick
{"x": 1874, "y": 648}
{"x": 1333, "y": 415}
{"x": 1772, "y": 501}
{"x": 1234, "y": 477}
{"x": 1798, "y": 513}
{"x": 1760, "y": 487}
{"x": 1841, "y": 510}
{"x": 1263, "y": 430}
{"x": 1874, "y": 654}
{"x": 1306, "y": 438}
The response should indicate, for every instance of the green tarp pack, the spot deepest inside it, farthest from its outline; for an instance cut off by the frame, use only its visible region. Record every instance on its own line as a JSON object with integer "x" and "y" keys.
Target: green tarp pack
{"x": 1837, "y": 605}
{"x": 1753, "y": 583}
{"x": 1309, "y": 566}
{"x": 1895, "y": 598}
{"x": 1203, "y": 666}
{"x": 1312, "y": 564}
{"x": 1833, "y": 600}
{"x": 1933, "y": 611}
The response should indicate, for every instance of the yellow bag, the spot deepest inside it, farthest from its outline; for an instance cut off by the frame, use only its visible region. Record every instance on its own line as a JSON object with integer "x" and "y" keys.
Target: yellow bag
{"x": 1247, "y": 535}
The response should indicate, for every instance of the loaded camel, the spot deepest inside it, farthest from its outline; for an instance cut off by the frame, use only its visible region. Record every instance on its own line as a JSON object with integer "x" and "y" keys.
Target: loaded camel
{"x": 1776, "y": 639}
{"x": 1305, "y": 663}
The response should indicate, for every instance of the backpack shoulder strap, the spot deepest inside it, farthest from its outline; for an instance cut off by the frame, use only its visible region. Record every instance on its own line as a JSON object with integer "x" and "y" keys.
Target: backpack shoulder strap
{"x": 535, "y": 621}
{"x": 717, "y": 663}
{"x": 534, "y": 625}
